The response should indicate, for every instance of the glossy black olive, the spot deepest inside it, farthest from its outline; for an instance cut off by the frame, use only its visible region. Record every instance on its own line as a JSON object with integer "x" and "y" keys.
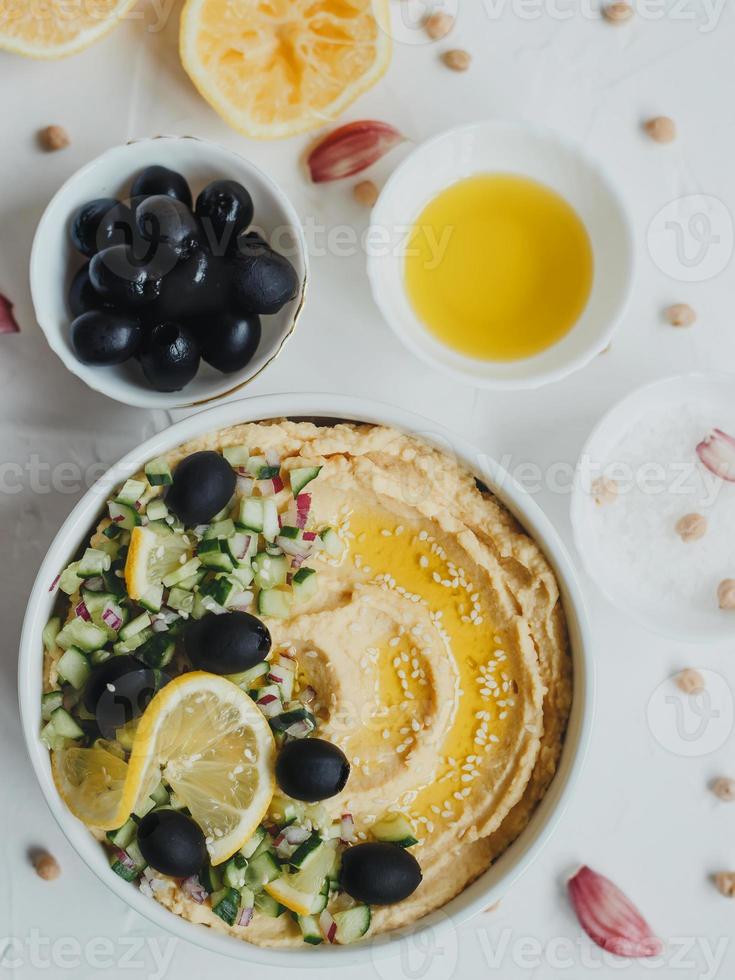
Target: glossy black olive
{"x": 83, "y": 297}
{"x": 198, "y": 284}
{"x": 203, "y": 484}
{"x": 119, "y": 690}
{"x": 262, "y": 280}
{"x": 161, "y": 180}
{"x": 379, "y": 873}
{"x": 224, "y": 209}
{"x": 124, "y": 281}
{"x": 227, "y": 340}
{"x": 312, "y": 769}
{"x": 163, "y": 220}
{"x": 93, "y": 224}
{"x": 169, "y": 357}
{"x": 172, "y": 843}
{"x": 102, "y": 337}
{"x": 228, "y": 643}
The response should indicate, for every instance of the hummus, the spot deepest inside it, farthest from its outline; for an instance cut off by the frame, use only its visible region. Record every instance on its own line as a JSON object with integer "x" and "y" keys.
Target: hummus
{"x": 437, "y": 648}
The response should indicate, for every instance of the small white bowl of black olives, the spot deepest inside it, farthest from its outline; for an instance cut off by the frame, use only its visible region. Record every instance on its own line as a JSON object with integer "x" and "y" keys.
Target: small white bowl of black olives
{"x": 168, "y": 272}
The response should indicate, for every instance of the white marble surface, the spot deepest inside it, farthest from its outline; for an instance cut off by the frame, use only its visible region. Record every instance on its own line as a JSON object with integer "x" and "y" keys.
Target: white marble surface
{"x": 643, "y": 812}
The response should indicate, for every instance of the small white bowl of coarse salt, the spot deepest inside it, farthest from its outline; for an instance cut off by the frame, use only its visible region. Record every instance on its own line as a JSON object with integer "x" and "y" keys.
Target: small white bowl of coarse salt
{"x": 653, "y": 506}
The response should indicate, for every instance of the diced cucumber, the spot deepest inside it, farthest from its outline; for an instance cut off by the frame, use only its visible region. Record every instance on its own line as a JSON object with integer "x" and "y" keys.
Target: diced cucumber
{"x": 285, "y": 812}
{"x": 123, "y": 514}
{"x": 321, "y": 900}
{"x": 251, "y": 514}
{"x": 129, "y": 646}
{"x": 65, "y": 725}
{"x": 243, "y": 575}
{"x": 93, "y": 562}
{"x": 270, "y": 520}
{"x": 282, "y": 722}
{"x": 157, "y": 651}
{"x": 160, "y": 795}
{"x": 352, "y": 924}
{"x": 210, "y": 878}
{"x": 81, "y": 633}
{"x": 268, "y": 906}
{"x": 235, "y": 872}
{"x": 123, "y": 836}
{"x": 131, "y": 491}
{"x": 309, "y": 926}
{"x": 112, "y": 531}
{"x": 50, "y": 631}
{"x": 236, "y": 455}
{"x": 395, "y": 828}
{"x": 50, "y": 739}
{"x": 158, "y": 473}
{"x": 246, "y": 678}
{"x": 73, "y": 667}
{"x": 213, "y": 553}
{"x": 249, "y": 848}
{"x": 99, "y": 657}
{"x": 290, "y": 532}
{"x": 50, "y": 702}
{"x": 225, "y": 904}
{"x": 261, "y": 869}
{"x": 270, "y": 571}
{"x": 283, "y": 674}
{"x": 302, "y": 475}
{"x": 306, "y": 852}
{"x": 220, "y": 589}
{"x": 181, "y": 573}
{"x": 69, "y": 580}
{"x": 135, "y": 626}
{"x": 220, "y": 529}
{"x": 241, "y": 546}
{"x": 181, "y": 600}
{"x": 157, "y": 510}
{"x": 152, "y": 598}
{"x": 305, "y": 585}
{"x": 130, "y": 863}
{"x": 332, "y": 542}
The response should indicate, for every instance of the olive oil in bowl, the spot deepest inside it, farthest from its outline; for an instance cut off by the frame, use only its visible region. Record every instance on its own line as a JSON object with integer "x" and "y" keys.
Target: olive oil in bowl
{"x": 498, "y": 267}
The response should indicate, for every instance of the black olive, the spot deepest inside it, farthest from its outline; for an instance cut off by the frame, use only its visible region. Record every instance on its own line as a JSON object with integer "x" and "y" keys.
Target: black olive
{"x": 224, "y": 209}
{"x": 119, "y": 690}
{"x": 379, "y": 873}
{"x": 83, "y": 297}
{"x": 198, "y": 284}
{"x": 123, "y": 280}
{"x": 312, "y": 769}
{"x": 203, "y": 484}
{"x": 91, "y": 228}
{"x": 162, "y": 220}
{"x": 161, "y": 180}
{"x": 228, "y": 643}
{"x": 101, "y": 337}
{"x": 227, "y": 340}
{"x": 169, "y": 357}
{"x": 262, "y": 281}
{"x": 172, "y": 843}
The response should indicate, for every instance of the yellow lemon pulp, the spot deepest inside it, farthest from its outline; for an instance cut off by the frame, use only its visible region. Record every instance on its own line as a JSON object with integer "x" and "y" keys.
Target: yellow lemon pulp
{"x": 418, "y": 566}
{"x": 55, "y": 28}
{"x": 272, "y": 68}
{"x": 91, "y": 783}
{"x": 498, "y": 267}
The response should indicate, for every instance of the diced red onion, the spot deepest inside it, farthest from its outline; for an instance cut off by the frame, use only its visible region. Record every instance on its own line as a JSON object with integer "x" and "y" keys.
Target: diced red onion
{"x": 275, "y": 678}
{"x": 307, "y": 695}
{"x": 246, "y": 547}
{"x": 303, "y": 506}
{"x": 8, "y": 323}
{"x": 294, "y": 548}
{"x": 138, "y": 504}
{"x": 194, "y": 889}
{"x": 717, "y": 453}
{"x": 277, "y": 484}
{"x": 110, "y": 618}
{"x": 81, "y": 610}
{"x": 270, "y": 705}
{"x": 347, "y": 828}
{"x": 244, "y": 917}
{"x": 265, "y": 487}
{"x": 95, "y": 584}
{"x": 54, "y": 583}
{"x": 328, "y": 926}
{"x": 118, "y": 519}
{"x": 299, "y": 729}
{"x": 295, "y": 834}
{"x": 124, "y": 858}
{"x": 159, "y": 626}
{"x": 244, "y": 485}
{"x": 200, "y": 530}
{"x": 168, "y": 615}
{"x": 309, "y": 536}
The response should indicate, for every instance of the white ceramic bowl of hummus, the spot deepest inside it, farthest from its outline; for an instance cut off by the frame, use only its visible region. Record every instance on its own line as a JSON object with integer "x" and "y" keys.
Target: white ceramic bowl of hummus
{"x": 54, "y": 261}
{"x": 493, "y": 883}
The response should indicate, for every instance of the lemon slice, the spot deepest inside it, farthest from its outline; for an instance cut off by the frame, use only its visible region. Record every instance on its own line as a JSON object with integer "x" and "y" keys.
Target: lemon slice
{"x": 272, "y": 68}
{"x": 151, "y": 556}
{"x": 299, "y": 891}
{"x": 56, "y": 28}
{"x": 207, "y": 739}
{"x": 91, "y": 783}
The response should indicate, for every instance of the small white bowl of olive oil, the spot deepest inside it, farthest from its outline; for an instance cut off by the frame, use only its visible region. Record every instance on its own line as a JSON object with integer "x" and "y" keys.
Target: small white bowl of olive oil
{"x": 501, "y": 255}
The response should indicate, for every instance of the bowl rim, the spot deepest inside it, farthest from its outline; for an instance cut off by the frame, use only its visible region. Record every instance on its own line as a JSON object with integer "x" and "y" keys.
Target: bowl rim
{"x": 140, "y": 397}
{"x": 655, "y": 626}
{"x": 512, "y": 863}
{"x": 594, "y": 165}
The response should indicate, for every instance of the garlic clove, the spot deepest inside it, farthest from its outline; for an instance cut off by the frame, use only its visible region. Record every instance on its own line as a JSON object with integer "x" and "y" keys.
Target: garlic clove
{"x": 351, "y": 148}
{"x": 609, "y": 917}
{"x": 717, "y": 453}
